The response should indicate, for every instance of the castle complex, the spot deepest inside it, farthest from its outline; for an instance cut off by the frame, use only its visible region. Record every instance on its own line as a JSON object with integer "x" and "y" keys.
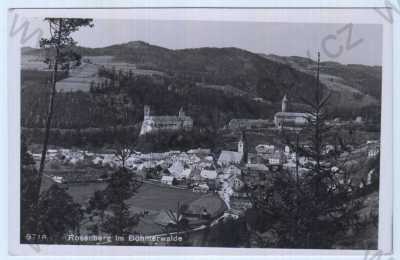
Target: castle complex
{"x": 290, "y": 119}
{"x": 155, "y": 123}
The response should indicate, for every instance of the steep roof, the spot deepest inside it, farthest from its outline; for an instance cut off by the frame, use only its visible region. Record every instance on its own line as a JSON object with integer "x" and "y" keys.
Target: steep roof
{"x": 176, "y": 168}
{"x": 229, "y": 157}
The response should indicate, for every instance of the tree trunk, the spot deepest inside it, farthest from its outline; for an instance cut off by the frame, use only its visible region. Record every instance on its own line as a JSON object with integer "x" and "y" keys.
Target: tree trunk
{"x": 48, "y": 122}
{"x": 49, "y": 117}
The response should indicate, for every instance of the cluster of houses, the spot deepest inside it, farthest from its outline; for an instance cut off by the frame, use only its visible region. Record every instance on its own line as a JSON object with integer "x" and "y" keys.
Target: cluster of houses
{"x": 196, "y": 169}
{"x": 200, "y": 169}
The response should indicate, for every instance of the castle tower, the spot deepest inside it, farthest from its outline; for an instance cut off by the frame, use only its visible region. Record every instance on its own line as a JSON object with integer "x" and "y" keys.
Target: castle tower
{"x": 285, "y": 104}
{"x": 181, "y": 112}
{"x": 146, "y": 111}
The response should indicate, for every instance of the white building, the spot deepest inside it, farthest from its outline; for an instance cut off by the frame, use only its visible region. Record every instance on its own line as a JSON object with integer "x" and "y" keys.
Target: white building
{"x": 290, "y": 119}
{"x": 229, "y": 157}
{"x": 359, "y": 120}
{"x": 154, "y": 123}
{"x": 208, "y": 174}
{"x": 201, "y": 188}
{"x": 167, "y": 180}
{"x": 373, "y": 151}
{"x": 265, "y": 148}
{"x": 232, "y": 169}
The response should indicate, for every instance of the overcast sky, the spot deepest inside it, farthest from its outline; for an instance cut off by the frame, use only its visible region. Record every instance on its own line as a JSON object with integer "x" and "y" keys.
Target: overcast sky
{"x": 284, "y": 39}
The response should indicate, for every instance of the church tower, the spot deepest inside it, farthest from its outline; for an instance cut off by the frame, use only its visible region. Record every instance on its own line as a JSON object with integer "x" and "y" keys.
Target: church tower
{"x": 181, "y": 112}
{"x": 146, "y": 111}
{"x": 285, "y": 104}
{"x": 242, "y": 147}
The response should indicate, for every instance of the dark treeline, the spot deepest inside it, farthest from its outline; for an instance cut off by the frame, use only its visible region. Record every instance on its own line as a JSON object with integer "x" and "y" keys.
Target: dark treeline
{"x": 115, "y": 108}
{"x": 123, "y": 105}
{"x": 84, "y": 138}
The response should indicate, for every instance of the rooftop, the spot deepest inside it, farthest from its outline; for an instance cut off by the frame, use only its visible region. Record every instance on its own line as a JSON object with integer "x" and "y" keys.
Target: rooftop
{"x": 168, "y": 118}
{"x": 229, "y": 156}
{"x": 257, "y": 167}
{"x": 292, "y": 114}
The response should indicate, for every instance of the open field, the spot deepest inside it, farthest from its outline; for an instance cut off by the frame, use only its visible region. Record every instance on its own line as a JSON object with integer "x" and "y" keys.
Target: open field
{"x": 80, "y": 77}
{"x": 148, "y": 197}
{"x": 154, "y": 197}
{"x": 81, "y": 193}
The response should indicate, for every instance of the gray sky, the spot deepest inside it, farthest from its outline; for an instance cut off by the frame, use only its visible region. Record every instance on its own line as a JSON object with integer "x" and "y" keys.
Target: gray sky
{"x": 285, "y": 39}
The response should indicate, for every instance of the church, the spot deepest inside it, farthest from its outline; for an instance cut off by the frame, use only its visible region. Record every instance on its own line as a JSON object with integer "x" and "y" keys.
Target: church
{"x": 155, "y": 123}
{"x": 290, "y": 120}
{"x": 227, "y": 158}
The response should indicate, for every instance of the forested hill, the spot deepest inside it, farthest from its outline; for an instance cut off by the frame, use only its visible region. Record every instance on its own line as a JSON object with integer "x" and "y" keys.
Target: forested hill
{"x": 357, "y": 78}
{"x": 214, "y": 85}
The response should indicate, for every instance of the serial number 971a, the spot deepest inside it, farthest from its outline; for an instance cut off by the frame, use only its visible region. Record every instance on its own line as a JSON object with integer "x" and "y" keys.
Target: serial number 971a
{"x": 33, "y": 237}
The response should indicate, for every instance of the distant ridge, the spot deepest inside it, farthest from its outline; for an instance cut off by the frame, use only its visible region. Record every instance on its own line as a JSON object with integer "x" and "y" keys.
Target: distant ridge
{"x": 265, "y": 76}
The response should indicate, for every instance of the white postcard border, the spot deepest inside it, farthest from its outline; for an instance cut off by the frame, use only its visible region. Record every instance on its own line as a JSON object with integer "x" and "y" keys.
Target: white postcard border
{"x": 290, "y": 15}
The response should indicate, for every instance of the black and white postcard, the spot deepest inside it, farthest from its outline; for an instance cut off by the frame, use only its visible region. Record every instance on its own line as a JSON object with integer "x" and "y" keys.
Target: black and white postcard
{"x": 199, "y": 131}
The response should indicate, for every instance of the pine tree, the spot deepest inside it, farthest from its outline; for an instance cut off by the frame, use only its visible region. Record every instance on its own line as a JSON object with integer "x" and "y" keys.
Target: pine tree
{"x": 60, "y": 44}
{"x": 313, "y": 209}
{"x": 59, "y": 214}
{"x": 29, "y": 184}
{"x": 110, "y": 204}
{"x": 120, "y": 221}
